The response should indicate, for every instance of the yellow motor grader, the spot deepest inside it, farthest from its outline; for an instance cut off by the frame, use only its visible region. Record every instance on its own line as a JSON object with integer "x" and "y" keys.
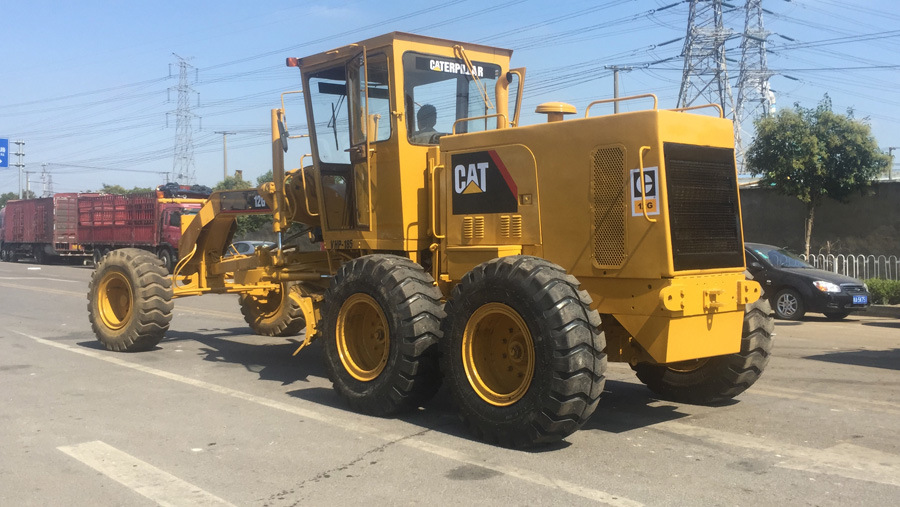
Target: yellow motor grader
{"x": 510, "y": 262}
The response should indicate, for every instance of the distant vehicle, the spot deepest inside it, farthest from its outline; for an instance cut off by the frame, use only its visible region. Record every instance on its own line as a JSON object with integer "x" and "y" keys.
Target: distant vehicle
{"x": 794, "y": 287}
{"x": 150, "y": 221}
{"x": 92, "y": 224}
{"x": 246, "y": 247}
{"x": 43, "y": 228}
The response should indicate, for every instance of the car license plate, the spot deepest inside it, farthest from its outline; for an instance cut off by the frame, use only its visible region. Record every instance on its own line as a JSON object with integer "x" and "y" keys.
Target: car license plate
{"x": 860, "y": 300}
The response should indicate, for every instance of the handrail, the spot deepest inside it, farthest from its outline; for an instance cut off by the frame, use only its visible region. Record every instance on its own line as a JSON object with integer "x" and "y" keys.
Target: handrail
{"x": 622, "y": 99}
{"x": 432, "y": 171}
{"x": 305, "y": 193}
{"x": 485, "y": 117}
{"x": 692, "y": 108}
{"x": 287, "y": 93}
{"x": 643, "y": 190}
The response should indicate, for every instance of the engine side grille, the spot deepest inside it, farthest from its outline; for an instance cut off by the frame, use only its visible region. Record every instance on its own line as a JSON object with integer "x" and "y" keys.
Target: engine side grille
{"x": 473, "y": 227}
{"x": 703, "y": 207}
{"x": 608, "y": 189}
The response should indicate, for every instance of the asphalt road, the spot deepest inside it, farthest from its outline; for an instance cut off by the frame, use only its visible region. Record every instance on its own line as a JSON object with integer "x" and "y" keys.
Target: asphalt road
{"x": 218, "y": 416}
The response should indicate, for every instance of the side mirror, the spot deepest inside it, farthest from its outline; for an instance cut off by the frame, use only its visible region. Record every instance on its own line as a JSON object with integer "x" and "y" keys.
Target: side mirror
{"x": 755, "y": 266}
{"x": 283, "y": 134}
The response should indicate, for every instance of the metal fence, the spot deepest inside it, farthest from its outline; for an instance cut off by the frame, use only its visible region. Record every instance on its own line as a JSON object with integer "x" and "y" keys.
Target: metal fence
{"x": 858, "y": 266}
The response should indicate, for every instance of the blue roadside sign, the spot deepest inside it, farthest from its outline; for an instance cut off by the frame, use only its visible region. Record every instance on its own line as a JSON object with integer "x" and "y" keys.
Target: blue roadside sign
{"x": 4, "y": 152}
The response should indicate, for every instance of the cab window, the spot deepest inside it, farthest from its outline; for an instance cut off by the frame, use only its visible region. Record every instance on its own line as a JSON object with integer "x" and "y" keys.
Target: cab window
{"x": 340, "y": 122}
{"x": 439, "y": 90}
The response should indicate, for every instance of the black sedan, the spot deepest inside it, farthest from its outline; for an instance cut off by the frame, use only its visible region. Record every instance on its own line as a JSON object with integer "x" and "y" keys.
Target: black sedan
{"x": 794, "y": 287}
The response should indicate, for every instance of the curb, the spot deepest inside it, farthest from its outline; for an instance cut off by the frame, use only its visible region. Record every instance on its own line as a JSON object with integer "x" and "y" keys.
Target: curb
{"x": 882, "y": 311}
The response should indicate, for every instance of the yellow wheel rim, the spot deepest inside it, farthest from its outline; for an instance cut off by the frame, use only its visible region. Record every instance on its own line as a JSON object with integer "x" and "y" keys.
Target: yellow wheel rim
{"x": 115, "y": 301}
{"x": 498, "y": 354}
{"x": 363, "y": 337}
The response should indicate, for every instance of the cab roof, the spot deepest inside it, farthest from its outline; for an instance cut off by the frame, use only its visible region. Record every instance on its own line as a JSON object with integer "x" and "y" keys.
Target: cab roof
{"x": 389, "y": 38}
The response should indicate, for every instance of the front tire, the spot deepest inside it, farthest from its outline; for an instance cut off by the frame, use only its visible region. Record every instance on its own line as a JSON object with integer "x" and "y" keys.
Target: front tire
{"x": 716, "y": 379}
{"x": 275, "y": 313}
{"x": 381, "y": 323}
{"x": 523, "y": 352}
{"x": 788, "y": 305}
{"x": 130, "y": 300}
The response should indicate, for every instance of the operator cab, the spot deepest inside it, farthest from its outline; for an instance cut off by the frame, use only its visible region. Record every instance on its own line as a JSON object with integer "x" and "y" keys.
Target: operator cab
{"x": 375, "y": 109}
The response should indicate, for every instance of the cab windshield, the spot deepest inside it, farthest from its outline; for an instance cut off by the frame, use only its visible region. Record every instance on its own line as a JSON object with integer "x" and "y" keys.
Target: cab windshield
{"x": 439, "y": 91}
{"x": 781, "y": 258}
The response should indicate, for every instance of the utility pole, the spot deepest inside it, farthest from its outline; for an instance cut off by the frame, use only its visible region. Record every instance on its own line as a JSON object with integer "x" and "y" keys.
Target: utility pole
{"x": 616, "y": 69}
{"x": 705, "y": 77}
{"x": 183, "y": 166}
{"x": 20, "y": 164}
{"x": 891, "y": 165}
{"x": 28, "y": 183}
{"x": 46, "y": 182}
{"x": 755, "y": 97}
{"x": 225, "y": 150}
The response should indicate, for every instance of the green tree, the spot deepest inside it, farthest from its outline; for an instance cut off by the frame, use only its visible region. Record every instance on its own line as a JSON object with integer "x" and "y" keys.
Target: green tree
{"x": 812, "y": 154}
{"x": 245, "y": 223}
{"x": 12, "y": 196}
{"x": 232, "y": 183}
{"x": 120, "y": 190}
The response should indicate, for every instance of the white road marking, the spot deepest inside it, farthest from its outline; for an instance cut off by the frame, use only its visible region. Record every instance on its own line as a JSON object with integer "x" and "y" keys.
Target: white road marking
{"x": 357, "y": 427}
{"x": 31, "y": 278}
{"x": 44, "y": 289}
{"x": 845, "y": 460}
{"x": 140, "y": 476}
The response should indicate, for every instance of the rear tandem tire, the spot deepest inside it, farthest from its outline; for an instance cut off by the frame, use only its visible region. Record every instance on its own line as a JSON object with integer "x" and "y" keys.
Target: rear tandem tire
{"x": 275, "y": 314}
{"x": 130, "y": 300}
{"x": 523, "y": 352}
{"x": 381, "y": 322}
{"x": 716, "y": 379}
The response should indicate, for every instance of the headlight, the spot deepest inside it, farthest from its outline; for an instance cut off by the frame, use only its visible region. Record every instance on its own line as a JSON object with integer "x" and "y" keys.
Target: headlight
{"x": 827, "y": 286}
{"x": 866, "y": 286}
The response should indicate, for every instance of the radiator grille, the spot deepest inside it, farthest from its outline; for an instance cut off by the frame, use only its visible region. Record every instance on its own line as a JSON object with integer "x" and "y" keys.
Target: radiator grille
{"x": 608, "y": 189}
{"x": 703, "y": 207}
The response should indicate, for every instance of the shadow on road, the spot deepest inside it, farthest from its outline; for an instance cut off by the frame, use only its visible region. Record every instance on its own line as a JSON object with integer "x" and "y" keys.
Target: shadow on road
{"x": 623, "y": 406}
{"x": 626, "y": 406}
{"x": 887, "y": 359}
{"x": 894, "y": 324}
{"x": 271, "y": 361}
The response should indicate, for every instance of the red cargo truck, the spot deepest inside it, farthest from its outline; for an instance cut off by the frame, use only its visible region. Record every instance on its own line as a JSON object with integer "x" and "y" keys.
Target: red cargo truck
{"x": 149, "y": 221}
{"x": 42, "y": 228}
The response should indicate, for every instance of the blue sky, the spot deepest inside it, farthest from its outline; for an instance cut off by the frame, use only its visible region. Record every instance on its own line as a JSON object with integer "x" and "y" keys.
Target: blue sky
{"x": 89, "y": 85}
